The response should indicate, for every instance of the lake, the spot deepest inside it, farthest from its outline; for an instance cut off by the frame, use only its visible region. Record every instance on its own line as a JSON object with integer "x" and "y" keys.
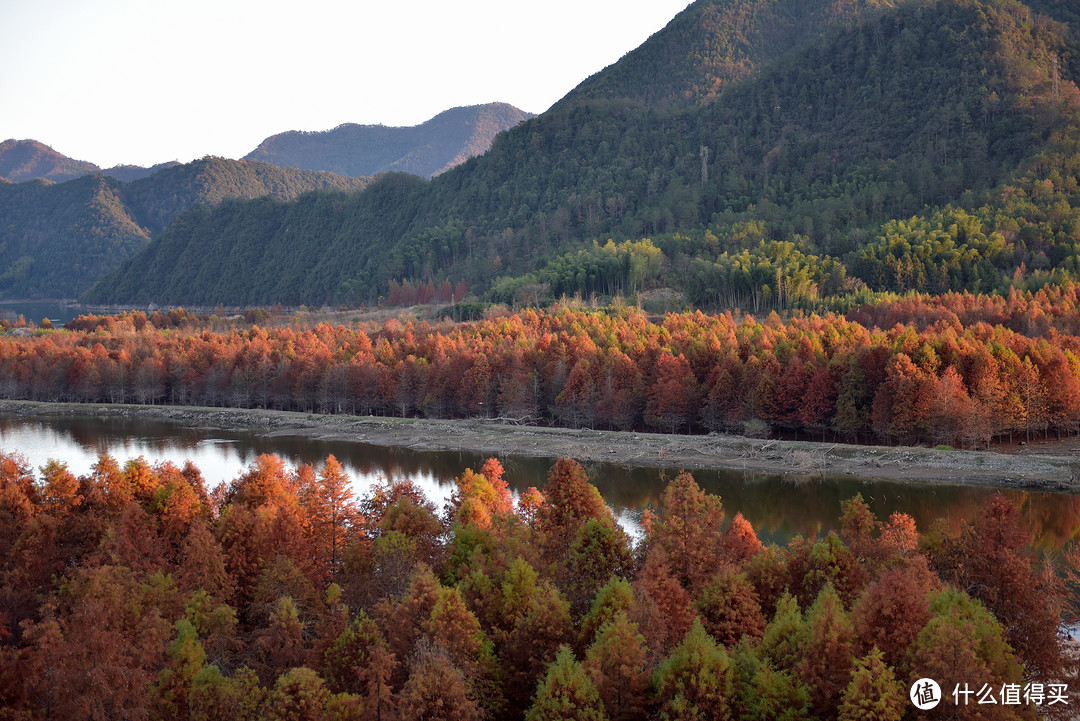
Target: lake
{"x": 779, "y": 507}
{"x": 58, "y": 312}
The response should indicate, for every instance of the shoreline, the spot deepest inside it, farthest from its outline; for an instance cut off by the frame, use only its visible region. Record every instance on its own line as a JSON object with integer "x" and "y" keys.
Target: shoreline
{"x": 1057, "y": 470}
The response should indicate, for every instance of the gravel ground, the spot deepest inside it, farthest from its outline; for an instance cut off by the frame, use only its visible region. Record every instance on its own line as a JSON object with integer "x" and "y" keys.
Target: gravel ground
{"x": 1045, "y": 466}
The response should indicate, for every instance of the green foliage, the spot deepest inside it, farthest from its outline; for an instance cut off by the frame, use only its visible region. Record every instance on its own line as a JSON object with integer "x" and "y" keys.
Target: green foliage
{"x": 58, "y": 239}
{"x": 786, "y": 636}
{"x": 822, "y": 123}
{"x": 214, "y": 696}
{"x": 610, "y": 269}
{"x": 352, "y": 650}
{"x": 764, "y": 693}
{"x": 728, "y": 608}
{"x": 298, "y": 695}
{"x": 22, "y": 160}
{"x": 289, "y": 253}
{"x": 566, "y": 693}
{"x": 874, "y": 693}
{"x": 696, "y": 680}
{"x": 711, "y": 45}
{"x": 614, "y": 597}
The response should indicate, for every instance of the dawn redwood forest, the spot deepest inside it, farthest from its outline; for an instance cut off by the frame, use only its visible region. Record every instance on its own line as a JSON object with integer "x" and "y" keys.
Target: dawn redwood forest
{"x": 137, "y": 592}
{"x": 956, "y": 369}
{"x": 839, "y": 221}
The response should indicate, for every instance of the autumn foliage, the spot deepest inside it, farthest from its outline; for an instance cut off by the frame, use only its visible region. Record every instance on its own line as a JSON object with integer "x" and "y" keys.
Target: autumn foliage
{"x": 957, "y": 369}
{"x": 138, "y": 592}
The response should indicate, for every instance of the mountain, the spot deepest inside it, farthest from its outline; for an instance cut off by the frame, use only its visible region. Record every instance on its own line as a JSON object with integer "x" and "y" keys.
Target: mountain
{"x": 128, "y": 173}
{"x": 447, "y": 140}
{"x": 155, "y": 200}
{"x": 711, "y": 45}
{"x": 796, "y": 171}
{"x": 22, "y": 160}
{"x": 350, "y": 150}
{"x": 57, "y": 239}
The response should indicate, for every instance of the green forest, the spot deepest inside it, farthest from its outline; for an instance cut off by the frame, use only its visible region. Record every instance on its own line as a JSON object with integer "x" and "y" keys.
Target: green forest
{"x": 928, "y": 146}
{"x": 57, "y": 239}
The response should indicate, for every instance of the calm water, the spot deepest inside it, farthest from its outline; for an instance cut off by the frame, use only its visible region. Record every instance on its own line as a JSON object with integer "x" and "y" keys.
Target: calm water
{"x": 56, "y": 311}
{"x": 779, "y": 507}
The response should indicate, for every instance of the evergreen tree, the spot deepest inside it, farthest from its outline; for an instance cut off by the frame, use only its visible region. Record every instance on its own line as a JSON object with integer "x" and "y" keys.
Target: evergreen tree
{"x": 616, "y": 664}
{"x": 874, "y": 693}
{"x": 696, "y": 680}
{"x": 566, "y": 693}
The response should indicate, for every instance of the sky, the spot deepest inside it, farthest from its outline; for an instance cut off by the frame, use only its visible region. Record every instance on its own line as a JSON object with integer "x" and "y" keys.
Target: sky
{"x": 140, "y": 82}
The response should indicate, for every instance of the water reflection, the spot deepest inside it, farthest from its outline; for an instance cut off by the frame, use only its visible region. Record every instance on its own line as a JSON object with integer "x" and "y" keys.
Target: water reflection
{"x": 59, "y": 312}
{"x": 779, "y": 507}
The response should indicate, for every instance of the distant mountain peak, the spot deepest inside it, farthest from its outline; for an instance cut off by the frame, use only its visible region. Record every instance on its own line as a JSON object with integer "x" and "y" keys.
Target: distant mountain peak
{"x": 22, "y": 160}
{"x": 433, "y": 147}
{"x": 714, "y": 43}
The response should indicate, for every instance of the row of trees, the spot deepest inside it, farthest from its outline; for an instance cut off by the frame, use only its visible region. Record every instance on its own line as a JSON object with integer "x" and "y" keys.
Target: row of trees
{"x": 941, "y": 373}
{"x": 138, "y": 591}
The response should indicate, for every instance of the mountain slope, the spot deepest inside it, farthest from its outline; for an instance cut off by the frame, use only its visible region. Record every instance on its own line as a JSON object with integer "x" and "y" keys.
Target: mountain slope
{"x": 128, "y": 173}
{"x": 268, "y": 249}
{"x": 22, "y": 160}
{"x": 920, "y": 105}
{"x": 448, "y": 139}
{"x": 156, "y": 200}
{"x": 56, "y": 239}
{"x": 712, "y": 44}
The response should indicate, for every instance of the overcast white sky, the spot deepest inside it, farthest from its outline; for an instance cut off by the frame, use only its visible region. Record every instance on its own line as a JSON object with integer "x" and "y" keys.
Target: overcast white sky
{"x": 147, "y": 81}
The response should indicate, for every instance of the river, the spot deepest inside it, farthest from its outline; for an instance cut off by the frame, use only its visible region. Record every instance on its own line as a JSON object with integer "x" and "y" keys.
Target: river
{"x": 779, "y": 507}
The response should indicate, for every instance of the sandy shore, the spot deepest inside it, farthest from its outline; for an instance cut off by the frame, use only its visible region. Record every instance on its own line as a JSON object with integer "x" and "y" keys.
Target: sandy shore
{"x": 1051, "y": 466}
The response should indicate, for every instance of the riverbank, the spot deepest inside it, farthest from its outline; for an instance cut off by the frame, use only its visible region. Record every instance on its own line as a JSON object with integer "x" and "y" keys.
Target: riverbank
{"x": 1051, "y": 466}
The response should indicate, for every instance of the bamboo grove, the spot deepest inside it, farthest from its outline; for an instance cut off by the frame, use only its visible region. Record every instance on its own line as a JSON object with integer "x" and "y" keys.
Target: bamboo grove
{"x": 957, "y": 369}
{"x": 137, "y": 592}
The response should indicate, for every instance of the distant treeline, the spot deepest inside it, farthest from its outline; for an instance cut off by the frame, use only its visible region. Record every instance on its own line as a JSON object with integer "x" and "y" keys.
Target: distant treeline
{"x": 954, "y": 369}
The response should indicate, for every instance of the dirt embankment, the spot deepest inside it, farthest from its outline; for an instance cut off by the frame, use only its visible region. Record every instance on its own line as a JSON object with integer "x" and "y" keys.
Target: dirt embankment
{"x": 1050, "y": 466}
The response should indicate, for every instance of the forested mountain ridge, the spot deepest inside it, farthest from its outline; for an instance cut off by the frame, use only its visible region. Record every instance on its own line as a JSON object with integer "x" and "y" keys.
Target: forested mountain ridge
{"x": 944, "y": 109}
{"x": 291, "y": 252}
{"x": 712, "y": 44}
{"x": 58, "y": 238}
{"x": 433, "y": 147}
{"x": 22, "y": 160}
{"x": 156, "y": 200}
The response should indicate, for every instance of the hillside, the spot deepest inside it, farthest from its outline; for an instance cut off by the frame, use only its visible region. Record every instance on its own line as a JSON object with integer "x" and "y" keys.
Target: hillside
{"x": 960, "y": 112}
{"x": 157, "y": 199}
{"x": 447, "y": 140}
{"x": 713, "y": 44}
{"x": 288, "y": 252}
{"x": 128, "y": 173}
{"x": 58, "y": 238}
{"x": 22, "y": 160}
